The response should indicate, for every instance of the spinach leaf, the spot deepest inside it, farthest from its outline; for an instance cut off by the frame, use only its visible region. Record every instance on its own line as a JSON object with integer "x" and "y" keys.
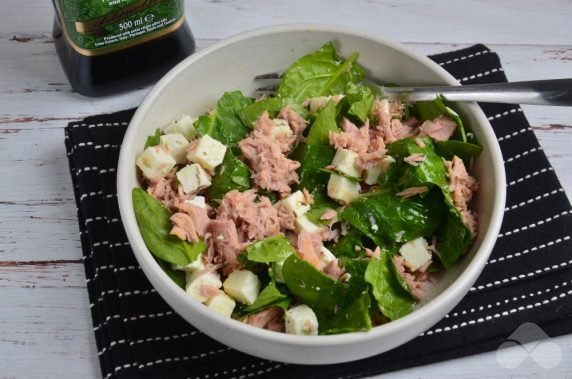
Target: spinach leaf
{"x": 312, "y": 287}
{"x": 393, "y": 301}
{"x": 269, "y": 296}
{"x": 360, "y": 99}
{"x": 430, "y": 171}
{"x": 271, "y": 249}
{"x": 464, "y": 150}
{"x": 312, "y": 158}
{"x": 384, "y": 218}
{"x": 318, "y": 209}
{"x": 320, "y": 73}
{"x": 155, "y": 226}
{"x": 153, "y": 140}
{"x": 453, "y": 237}
{"x": 324, "y": 123}
{"x": 349, "y": 244}
{"x": 177, "y": 276}
{"x": 224, "y": 123}
{"x": 430, "y": 110}
{"x": 232, "y": 174}
{"x": 351, "y": 318}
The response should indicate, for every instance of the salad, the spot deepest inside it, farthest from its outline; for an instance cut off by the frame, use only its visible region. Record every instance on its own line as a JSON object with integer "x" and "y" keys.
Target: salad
{"x": 323, "y": 209}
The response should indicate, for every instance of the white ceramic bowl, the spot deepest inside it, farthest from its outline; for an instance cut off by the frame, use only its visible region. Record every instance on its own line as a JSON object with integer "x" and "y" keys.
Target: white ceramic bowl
{"x": 195, "y": 85}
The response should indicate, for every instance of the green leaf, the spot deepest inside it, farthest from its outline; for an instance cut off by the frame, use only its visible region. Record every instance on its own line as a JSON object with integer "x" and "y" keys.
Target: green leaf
{"x": 155, "y": 226}
{"x": 361, "y": 100}
{"x": 464, "y": 150}
{"x": 430, "y": 172}
{"x": 153, "y": 140}
{"x": 349, "y": 244}
{"x": 271, "y": 249}
{"x": 393, "y": 301}
{"x": 351, "y": 318}
{"x": 386, "y": 218}
{"x": 324, "y": 123}
{"x": 312, "y": 158}
{"x": 318, "y": 209}
{"x": 320, "y": 73}
{"x": 312, "y": 287}
{"x": 270, "y": 296}
{"x": 232, "y": 174}
{"x": 224, "y": 123}
{"x": 453, "y": 238}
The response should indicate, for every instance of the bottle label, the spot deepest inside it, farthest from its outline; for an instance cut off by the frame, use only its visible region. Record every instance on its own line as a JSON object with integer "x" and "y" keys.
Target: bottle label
{"x": 94, "y": 27}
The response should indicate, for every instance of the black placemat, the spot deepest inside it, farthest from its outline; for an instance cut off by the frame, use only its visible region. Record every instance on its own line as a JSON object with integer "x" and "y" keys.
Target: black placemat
{"x": 528, "y": 277}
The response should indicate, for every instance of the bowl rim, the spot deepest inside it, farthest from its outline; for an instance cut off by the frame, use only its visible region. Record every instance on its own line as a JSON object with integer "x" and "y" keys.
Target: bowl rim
{"x": 457, "y": 289}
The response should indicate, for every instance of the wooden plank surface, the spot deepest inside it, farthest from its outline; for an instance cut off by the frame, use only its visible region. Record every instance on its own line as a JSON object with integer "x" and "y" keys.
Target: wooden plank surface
{"x": 44, "y": 317}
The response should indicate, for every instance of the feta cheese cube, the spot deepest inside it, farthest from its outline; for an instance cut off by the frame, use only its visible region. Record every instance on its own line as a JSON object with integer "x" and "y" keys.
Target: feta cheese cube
{"x": 301, "y": 320}
{"x": 296, "y": 203}
{"x": 193, "y": 267}
{"x": 177, "y": 144}
{"x": 243, "y": 286}
{"x": 221, "y": 304}
{"x": 371, "y": 175}
{"x": 342, "y": 189}
{"x": 208, "y": 152}
{"x": 317, "y": 103}
{"x": 155, "y": 162}
{"x": 183, "y": 125}
{"x": 384, "y": 105}
{"x": 415, "y": 253}
{"x": 281, "y": 129}
{"x": 198, "y": 201}
{"x": 193, "y": 178}
{"x": 345, "y": 162}
{"x": 204, "y": 286}
{"x": 325, "y": 256}
{"x": 303, "y": 223}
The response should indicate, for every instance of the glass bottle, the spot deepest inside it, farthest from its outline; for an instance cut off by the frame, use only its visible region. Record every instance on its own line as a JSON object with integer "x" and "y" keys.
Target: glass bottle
{"x": 110, "y": 46}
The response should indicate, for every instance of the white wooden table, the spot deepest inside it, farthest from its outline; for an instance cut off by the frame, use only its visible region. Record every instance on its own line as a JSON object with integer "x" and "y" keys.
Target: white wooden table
{"x": 45, "y": 325}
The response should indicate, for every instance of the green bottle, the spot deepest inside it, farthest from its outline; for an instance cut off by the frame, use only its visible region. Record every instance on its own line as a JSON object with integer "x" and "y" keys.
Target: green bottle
{"x": 110, "y": 46}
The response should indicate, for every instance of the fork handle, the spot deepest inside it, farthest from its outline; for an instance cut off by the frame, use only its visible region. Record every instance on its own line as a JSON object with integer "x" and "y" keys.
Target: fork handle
{"x": 539, "y": 92}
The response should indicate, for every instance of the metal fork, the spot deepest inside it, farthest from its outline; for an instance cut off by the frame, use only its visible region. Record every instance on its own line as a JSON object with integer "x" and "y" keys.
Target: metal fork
{"x": 538, "y": 92}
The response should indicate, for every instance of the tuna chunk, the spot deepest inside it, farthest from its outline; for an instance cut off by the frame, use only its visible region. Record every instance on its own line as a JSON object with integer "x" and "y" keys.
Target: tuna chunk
{"x": 440, "y": 129}
{"x": 392, "y": 129}
{"x": 416, "y": 283}
{"x": 369, "y": 147}
{"x": 270, "y": 318}
{"x": 297, "y": 123}
{"x": 265, "y": 155}
{"x": 199, "y": 216}
{"x": 224, "y": 240}
{"x": 265, "y": 126}
{"x": 286, "y": 218}
{"x": 414, "y": 159}
{"x": 462, "y": 186}
{"x": 309, "y": 244}
{"x": 412, "y": 191}
{"x": 253, "y": 220}
{"x": 184, "y": 227}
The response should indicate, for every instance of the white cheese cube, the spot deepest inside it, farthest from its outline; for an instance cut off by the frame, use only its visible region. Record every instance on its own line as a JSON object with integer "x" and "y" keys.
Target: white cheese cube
{"x": 384, "y": 105}
{"x": 155, "y": 162}
{"x": 183, "y": 125}
{"x": 415, "y": 253}
{"x": 208, "y": 152}
{"x": 221, "y": 304}
{"x": 342, "y": 189}
{"x": 243, "y": 286}
{"x": 177, "y": 144}
{"x": 317, "y": 103}
{"x": 325, "y": 256}
{"x": 345, "y": 162}
{"x": 195, "y": 266}
{"x": 281, "y": 129}
{"x": 296, "y": 203}
{"x": 371, "y": 175}
{"x": 303, "y": 224}
{"x": 193, "y": 178}
{"x": 204, "y": 286}
{"x": 301, "y": 320}
{"x": 198, "y": 201}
